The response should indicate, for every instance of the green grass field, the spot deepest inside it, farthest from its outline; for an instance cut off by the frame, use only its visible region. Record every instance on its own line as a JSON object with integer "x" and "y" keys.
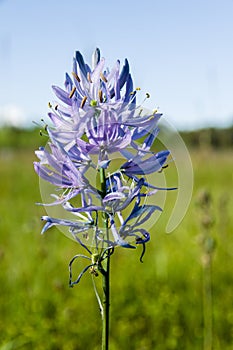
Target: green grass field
{"x": 154, "y": 305}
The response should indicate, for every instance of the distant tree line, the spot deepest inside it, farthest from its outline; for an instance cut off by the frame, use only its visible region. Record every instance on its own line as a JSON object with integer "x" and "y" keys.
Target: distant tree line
{"x": 209, "y": 137}
{"x": 11, "y": 137}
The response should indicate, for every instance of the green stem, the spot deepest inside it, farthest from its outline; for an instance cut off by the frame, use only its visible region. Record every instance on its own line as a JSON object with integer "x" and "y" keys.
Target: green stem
{"x": 106, "y": 306}
{"x": 105, "y": 276}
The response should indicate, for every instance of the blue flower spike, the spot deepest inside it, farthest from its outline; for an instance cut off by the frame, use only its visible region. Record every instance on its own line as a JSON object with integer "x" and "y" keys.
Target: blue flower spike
{"x": 94, "y": 119}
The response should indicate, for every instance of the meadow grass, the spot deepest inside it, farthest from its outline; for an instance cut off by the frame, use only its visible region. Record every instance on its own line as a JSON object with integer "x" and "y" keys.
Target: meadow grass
{"x": 154, "y": 305}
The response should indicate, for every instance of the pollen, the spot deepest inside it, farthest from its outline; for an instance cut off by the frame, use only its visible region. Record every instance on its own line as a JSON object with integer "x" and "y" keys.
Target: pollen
{"x": 75, "y": 75}
{"x": 72, "y": 92}
{"x": 103, "y": 78}
{"x": 83, "y": 101}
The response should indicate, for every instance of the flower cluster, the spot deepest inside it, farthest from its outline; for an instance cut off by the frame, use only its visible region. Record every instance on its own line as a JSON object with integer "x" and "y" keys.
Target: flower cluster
{"x": 95, "y": 125}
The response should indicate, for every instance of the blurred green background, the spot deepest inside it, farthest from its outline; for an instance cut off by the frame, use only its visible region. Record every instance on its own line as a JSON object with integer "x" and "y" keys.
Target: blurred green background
{"x": 171, "y": 301}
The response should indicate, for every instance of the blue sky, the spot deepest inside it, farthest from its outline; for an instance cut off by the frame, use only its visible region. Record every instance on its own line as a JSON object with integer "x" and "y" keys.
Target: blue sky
{"x": 181, "y": 52}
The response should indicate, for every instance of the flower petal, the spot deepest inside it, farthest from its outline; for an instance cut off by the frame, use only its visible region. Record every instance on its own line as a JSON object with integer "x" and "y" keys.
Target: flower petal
{"x": 118, "y": 240}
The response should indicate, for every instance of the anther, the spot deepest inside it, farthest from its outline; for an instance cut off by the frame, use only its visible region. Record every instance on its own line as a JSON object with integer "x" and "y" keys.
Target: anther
{"x": 101, "y": 96}
{"x": 72, "y": 92}
{"x": 89, "y": 77}
{"x": 49, "y": 104}
{"x": 163, "y": 167}
{"x": 83, "y": 101}
{"x": 138, "y": 88}
{"x": 56, "y": 107}
{"x": 103, "y": 78}
{"x": 75, "y": 75}
{"x": 147, "y": 95}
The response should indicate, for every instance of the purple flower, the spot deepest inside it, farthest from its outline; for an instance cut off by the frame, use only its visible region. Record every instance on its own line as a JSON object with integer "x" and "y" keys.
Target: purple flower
{"x": 96, "y": 117}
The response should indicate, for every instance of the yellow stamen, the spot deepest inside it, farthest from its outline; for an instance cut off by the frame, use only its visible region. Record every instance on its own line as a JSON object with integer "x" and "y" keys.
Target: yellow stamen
{"x": 155, "y": 111}
{"x": 103, "y": 78}
{"x": 132, "y": 93}
{"x": 72, "y": 92}
{"x": 101, "y": 96}
{"x": 76, "y": 76}
{"x": 49, "y": 104}
{"x": 83, "y": 101}
{"x": 89, "y": 77}
{"x": 138, "y": 88}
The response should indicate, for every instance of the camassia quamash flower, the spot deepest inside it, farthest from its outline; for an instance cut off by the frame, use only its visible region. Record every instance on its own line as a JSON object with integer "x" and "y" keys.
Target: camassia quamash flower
{"x": 95, "y": 118}
{"x": 97, "y": 115}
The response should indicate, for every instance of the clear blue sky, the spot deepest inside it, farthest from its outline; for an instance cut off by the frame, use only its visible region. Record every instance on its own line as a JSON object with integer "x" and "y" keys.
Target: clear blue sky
{"x": 181, "y": 52}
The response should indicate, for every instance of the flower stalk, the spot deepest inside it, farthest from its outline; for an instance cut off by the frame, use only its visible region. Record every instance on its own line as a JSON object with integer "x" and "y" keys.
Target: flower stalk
{"x": 106, "y": 304}
{"x": 105, "y": 275}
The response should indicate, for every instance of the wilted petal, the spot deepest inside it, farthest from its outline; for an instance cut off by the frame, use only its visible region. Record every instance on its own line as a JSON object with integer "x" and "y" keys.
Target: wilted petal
{"x": 145, "y": 236}
{"x": 62, "y": 222}
{"x": 118, "y": 240}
